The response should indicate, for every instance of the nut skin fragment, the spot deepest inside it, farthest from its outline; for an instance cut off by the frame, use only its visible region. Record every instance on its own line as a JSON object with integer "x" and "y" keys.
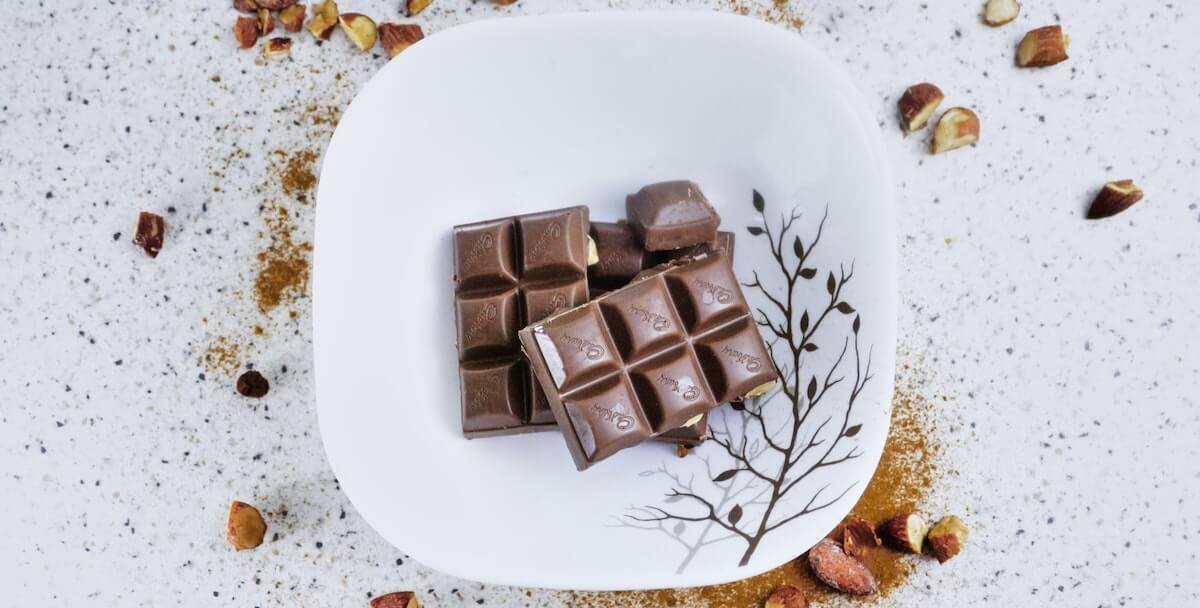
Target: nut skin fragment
{"x": 999, "y": 12}
{"x": 956, "y": 128}
{"x": 246, "y": 31}
{"x": 858, "y": 535}
{"x": 360, "y": 29}
{"x": 905, "y": 532}
{"x": 266, "y": 22}
{"x": 275, "y": 5}
{"x": 1042, "y": 47}
{"x": 252, "y": 384}
{"x": 412, "y": 7}
{"x": 946, "y": 538}
{"x": 1114, "y": 198}
{"x": 681, "y": 450}
{"x": 246, "y": 6}
{"x": 917, "y": 104}
{"x": 277, "y": 47}
{"x": 398, "y": 599}
{"x": 292, "y": 17}
{"x": 150, "y": 232}
{"x": 505, "y": 2}
{"x": 246, "y": 528}
{"x": 324, "y": 19}
{"x": 843, "y": 572}
{"x": 787, "y": 596}
{"x": 396, "y": 37}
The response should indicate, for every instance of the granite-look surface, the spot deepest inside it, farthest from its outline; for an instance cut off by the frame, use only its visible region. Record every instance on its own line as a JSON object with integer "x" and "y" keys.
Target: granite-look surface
{"x": 1067, "y": 347}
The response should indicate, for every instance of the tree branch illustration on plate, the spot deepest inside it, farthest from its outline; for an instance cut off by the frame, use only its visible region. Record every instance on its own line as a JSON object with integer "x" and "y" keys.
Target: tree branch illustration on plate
{"x": 758, "y": 470}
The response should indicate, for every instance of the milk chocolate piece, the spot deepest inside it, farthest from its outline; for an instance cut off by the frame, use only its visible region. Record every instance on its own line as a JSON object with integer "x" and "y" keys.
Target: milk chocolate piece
{"x": 647, "y": 358}
{"x": 671, "y": 215}
{"x": 508, "y": 273}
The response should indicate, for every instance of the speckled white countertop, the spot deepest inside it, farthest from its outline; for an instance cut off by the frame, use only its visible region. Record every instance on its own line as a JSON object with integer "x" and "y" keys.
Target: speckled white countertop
{"x": 1065, "y": 347}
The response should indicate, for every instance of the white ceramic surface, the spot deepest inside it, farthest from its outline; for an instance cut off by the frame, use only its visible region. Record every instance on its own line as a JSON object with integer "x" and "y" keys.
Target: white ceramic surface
{"x": 518, "y": 115}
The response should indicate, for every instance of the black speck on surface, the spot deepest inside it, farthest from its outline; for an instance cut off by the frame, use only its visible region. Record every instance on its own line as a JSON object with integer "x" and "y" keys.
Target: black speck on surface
{"x": 116, "y": 236}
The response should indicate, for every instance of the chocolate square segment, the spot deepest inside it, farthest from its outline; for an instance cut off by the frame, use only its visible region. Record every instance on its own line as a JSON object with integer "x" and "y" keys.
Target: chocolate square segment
{"x": 483, "y": 255}
{"x": 707, "y": 292}
{"x": 577, "y": 348}
{"x": 672, "y": 389}
{"x": 630, "y": 358}
{"x": 671, "y": 215}
{"x": 642, "y": 319}
{"x": 508, "y": 273}
{"x": 543, "y": 300}
{"x": 739, "y": 361}
{"x": 605, "y": 418}
{"x": 487, "y": 324}
{"x": 553, "y": 244}
{"x": 493, "y": 395}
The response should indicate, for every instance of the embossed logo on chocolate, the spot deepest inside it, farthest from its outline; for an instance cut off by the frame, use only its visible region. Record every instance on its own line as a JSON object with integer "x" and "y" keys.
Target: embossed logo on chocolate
{"x": 751, "y": 362}
{"x": 590, "y": 349}
{"x": 482, "y": 244}
{"x": 623, "y": 422}
{"x": 610, "y": 261}
{"x": 552, "y": 232}
{"x": 713, "y": 292}
{"x": 689, "y": 393}
{"x": 557, "y": 302}
{"x": 481, "y": 321}
{"x": 485, "y": 392}
{"x": 653, "y": 319}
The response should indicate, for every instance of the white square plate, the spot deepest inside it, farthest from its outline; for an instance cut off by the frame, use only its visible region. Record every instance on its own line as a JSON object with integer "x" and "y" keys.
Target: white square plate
{"x": 511, "y": 116}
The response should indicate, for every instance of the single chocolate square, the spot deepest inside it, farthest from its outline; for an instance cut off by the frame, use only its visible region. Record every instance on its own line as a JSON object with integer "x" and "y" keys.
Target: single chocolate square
{"x": 671, "y": 215}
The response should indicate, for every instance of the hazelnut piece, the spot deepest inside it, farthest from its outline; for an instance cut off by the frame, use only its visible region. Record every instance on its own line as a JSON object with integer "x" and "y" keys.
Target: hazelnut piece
{"x": 245, "y": 29}
{"x": 905, "y": 532}
{"x": 1114, "y": 198}
{"x": 246, "y": 527}
{"x": 917, "y": 104}
{"x": 946, "y": 538}
{"x": 360, "y": 29}
{"x": 956, "y": 128}
{"x": 395, "y": 37}
{"x": 1042, "y": 47}
{"x": 398, "y": 599}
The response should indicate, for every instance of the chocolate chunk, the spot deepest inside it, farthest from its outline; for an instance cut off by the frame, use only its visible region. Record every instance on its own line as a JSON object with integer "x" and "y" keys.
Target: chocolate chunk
{"x": 252, "y": 384}
{"x": 510, "y": 272}
{"x": 648, "y": 358}
{"x": 671, "y": 215}
{"x": 150, "y": 231}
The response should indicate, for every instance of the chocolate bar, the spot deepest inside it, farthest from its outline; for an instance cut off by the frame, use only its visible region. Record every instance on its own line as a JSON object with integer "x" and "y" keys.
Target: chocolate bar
{"x": 622, "y": 257}
{"x": 510, "y": 272}
{"x": 648, "y": 358}
{"x": 671, "y": 215}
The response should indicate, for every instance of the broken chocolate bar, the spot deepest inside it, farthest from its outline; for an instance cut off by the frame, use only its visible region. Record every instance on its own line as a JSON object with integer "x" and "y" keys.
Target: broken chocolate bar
{"x": 648, "y": 358}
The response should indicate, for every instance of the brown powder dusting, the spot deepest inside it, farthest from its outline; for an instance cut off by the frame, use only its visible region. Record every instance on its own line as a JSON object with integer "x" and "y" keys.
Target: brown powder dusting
{"x": 296, "y": 173}
{"x": 283, "y": 267}
{"x": 223, "y": 357}
{"x": 907, "y": 471}
{"x": 778, "y": 11}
